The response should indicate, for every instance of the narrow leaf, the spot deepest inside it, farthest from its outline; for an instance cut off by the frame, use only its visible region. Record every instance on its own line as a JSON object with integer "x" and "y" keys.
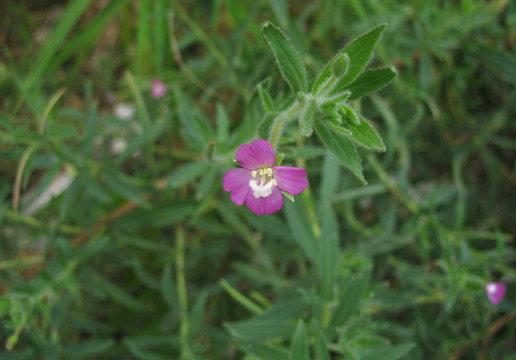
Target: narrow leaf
{"x": 122, "y": 186}
{"x": 187, "y": 173}
{"x": 370, "y": 81}
{"x": 222, "y": 124}
{"x": 350, "y": 297}
{"x": 262, "y": 350}
{"x": 364, "y": 135}
{"x": 341, "y": 147}
{"x": 266, "y": 124}
{"x": 89, "y": 348}
{"x": 301, "y": 229}
{"x": 288, "y": 59}
{"x": 359, "y": 52}
{"x": 329, "y": 254}
{"x": 389, "y": 353}
{"x": 321, "y": 349}
{"x": 299, "y": 348}
{"x": 265, "y": 98}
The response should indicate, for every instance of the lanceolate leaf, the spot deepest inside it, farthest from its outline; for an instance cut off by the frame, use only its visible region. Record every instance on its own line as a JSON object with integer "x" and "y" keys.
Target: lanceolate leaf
{"x": 364, "y": 135}
{"x": 341, "y": 147}
{"x": 350, "y": 297}
{"x": 288, "y": 59}
{"x": 299, "y": 348}
{"x": 359, "y": 52}
{"x": 370, "y": 81}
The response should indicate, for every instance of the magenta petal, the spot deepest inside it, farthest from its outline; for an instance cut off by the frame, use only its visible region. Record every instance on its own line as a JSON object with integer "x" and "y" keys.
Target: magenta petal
{"x": 265, "y": 205}
{"x": 259, "y": 154}
{"x": 495, "y": 292}
{"x": 290, "y": 179}
{"x": 237, "y": 181}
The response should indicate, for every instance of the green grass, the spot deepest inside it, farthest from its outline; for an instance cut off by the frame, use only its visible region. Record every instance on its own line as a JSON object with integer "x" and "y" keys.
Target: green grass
{"x": 144, "y": 256}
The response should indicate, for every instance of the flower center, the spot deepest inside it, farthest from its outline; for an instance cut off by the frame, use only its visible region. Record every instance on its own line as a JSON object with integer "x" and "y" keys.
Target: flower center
{"x": 262, "y": 182}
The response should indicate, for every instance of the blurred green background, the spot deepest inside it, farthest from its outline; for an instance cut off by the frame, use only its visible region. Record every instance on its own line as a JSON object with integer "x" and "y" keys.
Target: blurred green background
{"x": 118, "y": 242}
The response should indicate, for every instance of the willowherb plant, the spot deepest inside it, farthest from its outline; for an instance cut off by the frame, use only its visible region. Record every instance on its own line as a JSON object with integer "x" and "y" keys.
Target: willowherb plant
{"x": 325, "y": 108}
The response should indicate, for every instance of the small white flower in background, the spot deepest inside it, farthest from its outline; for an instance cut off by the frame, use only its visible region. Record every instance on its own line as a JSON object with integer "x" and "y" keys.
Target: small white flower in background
{"x": 117, "y": 145}
{"x": 124, "y": 111}
{"x": 158, "y": 88}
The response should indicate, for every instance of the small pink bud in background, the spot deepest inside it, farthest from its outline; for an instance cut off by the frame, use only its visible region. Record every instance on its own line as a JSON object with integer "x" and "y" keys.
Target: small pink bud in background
{"x": 158, "y": 88}
{"x": 495, "y": 292}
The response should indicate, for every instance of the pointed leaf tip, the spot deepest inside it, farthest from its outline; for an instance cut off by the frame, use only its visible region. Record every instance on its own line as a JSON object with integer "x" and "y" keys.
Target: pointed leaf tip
{"x": 287, "y": 57}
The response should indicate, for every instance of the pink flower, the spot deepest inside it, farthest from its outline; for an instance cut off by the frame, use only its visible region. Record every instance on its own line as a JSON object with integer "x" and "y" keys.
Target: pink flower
{"x": 158, "y": 88}
{"x": 259, "y": 183}
{"x": 495, "y": 292}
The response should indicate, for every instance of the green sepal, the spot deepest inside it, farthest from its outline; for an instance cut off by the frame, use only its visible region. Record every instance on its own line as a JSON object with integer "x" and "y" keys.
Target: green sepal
{"x": 288, "y": 59}
{"x": 340, "y": 145}
{"x": 288, "y": 196}
{"x": 340, "y": 66}
{"x": 306, "y": 120}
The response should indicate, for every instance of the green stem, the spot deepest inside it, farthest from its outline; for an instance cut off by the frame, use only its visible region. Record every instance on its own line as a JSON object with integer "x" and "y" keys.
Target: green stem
{"x": 287, "y": 115}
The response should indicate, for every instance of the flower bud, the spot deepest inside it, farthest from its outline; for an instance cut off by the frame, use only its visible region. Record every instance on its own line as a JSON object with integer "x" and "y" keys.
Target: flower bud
{"x": 340, "y": 66}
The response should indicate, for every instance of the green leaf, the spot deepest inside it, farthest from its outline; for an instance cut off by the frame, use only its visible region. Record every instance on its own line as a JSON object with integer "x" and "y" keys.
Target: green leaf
{"x": 89, "y": 348}
{"x": 141, "y": 353}
{"x": 299, "y": 348}
{"x": 288, "y": 59}
{"x": 301, "y": 228}
{"x": 370, "y": 81}
{"x": 349, "y": 297}
{"x": 359, "y": 52}
{"x": 187, "y": 173}
{"x": 364, "y": 135}
{"x": 56, "y": 39}
{"x": 94, "y": 188}
{"x": 147, "y": 136}
{"x": 389, "y": 353}
{"x": 341, "y": 147}
{"x": 266, "y": 124}
{"x": 306, "y": 120}
{"x": 322, "y": 349}
{"x": 329, "y": 254}
{"x": 121, "y": 185}
{"x": 263, "y": 351}
{"x": 222, "y": 124}
{"x": 72, "y": 195}
{"x": 168, "y": 288}
{"x": 265, "y": 98}
{"x": 119, "y": 295}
